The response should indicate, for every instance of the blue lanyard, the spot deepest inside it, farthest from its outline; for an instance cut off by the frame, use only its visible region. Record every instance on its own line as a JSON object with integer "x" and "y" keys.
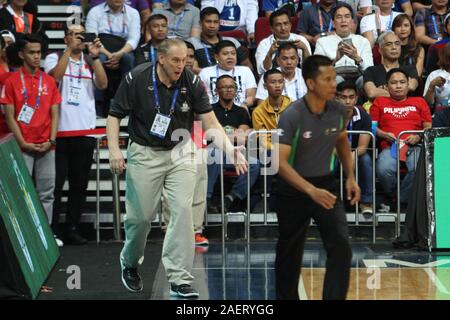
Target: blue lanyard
{"x": 179, "y": 20}
{"x": 25, "y": 94}
{"x": 208, "y": 57}
{"x": 330, "y": 26}
{"x": 389, "y": 25}
{"x": 350, "y": 136}
{"x": 155, "y": 92}
{"x": 124, "y": 22}
{"x": 79, "y": 74}
{"x": 297, "y": 92}
{"x": 435, "y": 27}
{"x": 152, "y": 54}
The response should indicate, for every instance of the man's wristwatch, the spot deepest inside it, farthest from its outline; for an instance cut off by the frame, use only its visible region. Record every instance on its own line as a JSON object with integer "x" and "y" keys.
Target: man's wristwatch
{"x": 323, "y": 34}
{"x": 52, "y": 142}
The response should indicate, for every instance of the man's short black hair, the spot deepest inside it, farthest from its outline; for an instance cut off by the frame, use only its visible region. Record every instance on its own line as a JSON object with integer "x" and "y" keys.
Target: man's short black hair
{"x": 278, "y": 13}
{"x": 345, "y": 85}
{"x": 28, "y": 38}
{"x": 287, "y": 45}
{"x": 224, "y": 76}
{"x": 270, "y": 72}
{"x": 189, "y": 45}
{"x": 395, "y": 70}
{"x": 224, "y": 44}
{"x": 12, "y": 56}
{"x": 208, "y": 11}
{"x": 156, "y": 16}
{"x": 67, "y": 28}
{"x": 311, "y": 65}
{"x": 341, "y": 4}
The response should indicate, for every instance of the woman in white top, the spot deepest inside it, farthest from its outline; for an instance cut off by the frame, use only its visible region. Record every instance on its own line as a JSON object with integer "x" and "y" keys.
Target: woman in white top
{"x": 373, "y": 25}
{"x": 437, "y": 87}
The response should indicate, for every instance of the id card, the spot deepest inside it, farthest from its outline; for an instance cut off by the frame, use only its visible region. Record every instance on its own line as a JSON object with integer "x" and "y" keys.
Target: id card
{"x": 74, "y": 96}
{"x": 26, "y": 114}
{"x": 160, "y": 126}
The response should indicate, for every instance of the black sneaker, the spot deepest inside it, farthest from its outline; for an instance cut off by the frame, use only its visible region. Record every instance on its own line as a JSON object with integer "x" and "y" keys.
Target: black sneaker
{"x": 131, "y": 279}
{"x": 228, "y": 201}
{"x": 183, "y": 290}
{"x": 210, "y": 207}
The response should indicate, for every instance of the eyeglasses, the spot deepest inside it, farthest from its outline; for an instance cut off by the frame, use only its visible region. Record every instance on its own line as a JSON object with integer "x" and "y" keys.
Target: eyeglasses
{"x": 231, "y": 88}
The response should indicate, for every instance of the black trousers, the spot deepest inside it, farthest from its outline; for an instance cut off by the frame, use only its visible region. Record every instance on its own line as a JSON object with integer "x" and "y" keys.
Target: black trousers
{"x": 294, "y": 211}
{"x": 74, "y": 157}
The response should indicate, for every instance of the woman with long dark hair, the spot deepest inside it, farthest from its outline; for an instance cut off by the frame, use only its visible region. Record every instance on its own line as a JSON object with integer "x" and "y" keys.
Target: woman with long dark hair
{"x": 412, "y": 52}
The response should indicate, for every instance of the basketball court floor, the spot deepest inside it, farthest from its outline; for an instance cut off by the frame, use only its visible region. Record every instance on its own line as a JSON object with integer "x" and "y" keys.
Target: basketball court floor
{"x": 238, "y": 271}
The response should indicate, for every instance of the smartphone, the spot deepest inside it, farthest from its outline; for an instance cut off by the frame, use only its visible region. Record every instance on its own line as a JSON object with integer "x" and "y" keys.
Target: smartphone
{"x": 348, "y": 42}
{"x": 89, "y": 37}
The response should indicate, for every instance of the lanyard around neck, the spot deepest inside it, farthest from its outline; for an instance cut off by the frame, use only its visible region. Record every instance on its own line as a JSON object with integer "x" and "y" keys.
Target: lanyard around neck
{"x": 80, "y": 72}
{"x": 156, "y": 94}
{"x": 25, "y": 93}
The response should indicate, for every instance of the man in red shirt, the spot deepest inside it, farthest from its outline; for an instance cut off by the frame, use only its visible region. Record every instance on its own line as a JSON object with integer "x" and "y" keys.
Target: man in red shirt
{"x": 31, "y": 109}
{"x": 395, "y": 114}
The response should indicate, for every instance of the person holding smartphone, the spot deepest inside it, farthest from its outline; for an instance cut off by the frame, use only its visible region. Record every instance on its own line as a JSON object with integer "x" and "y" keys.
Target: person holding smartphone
{"x": 351, "y": 53}
{"x": 78, "y": 74}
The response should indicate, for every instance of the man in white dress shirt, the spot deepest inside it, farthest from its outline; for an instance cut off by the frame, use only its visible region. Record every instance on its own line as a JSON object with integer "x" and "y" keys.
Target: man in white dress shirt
{"x": 351, "y": 53}
{"x": 280, "y": 24}
{"x": 294, "y": 85}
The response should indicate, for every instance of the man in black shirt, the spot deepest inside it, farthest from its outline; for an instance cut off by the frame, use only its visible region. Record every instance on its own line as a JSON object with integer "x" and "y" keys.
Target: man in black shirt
{"x": 375, "y": 84}
{"x": 157, "y": 28}
{"x": 161, "y": 100}
{"x": 236, "y": 122}
{"x": 359, "y": 120}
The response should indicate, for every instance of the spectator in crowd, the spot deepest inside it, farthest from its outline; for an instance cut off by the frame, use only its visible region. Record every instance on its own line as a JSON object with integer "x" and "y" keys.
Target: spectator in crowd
{"x": 442, "y": 118}
{"x": 404, "y": 6}
{"x": 4, "y": 74}
{"x": 236, "y": 14}
{"x": 394, "y": 114}
{"x": 360, "y": 8}
{"x": 20, "y": 17}
{"x": 155, "y": 161}
{"x": 122, "y": 23}
{"x": 157, "y": 28}
{"x": 432, "y": 55}
{"x": 4, "y": 68}
{"x": 420, "y": 4}
{"x": 267, "y": 113}
{"x": 374, "y": 24}
{"x": 140, "y": 5}
{"x": 158, "y": 4}
{"x": 290, "y": 6}
{"x": 77, "y": 74}
{"x": 437, "y": 87}
{"x": 316, "y": 21}
{"x": 8, "y": 37}
{"x": 183, "y": 19}
{"x": 430, "y": 22}
{"x": 236, "y": 123}
{"x": 209, "y": 38}
{"x": 358, "y": 120}
{"x": 375, "y": 84}
{"x": 351, "y": 53}
{"x": 31, "y": 108}
{"x": 294, "y": 85}
{"x": 191, "y": 62}
{"x": 280, "y": 24}
{"x": 412, "y": 53}
{"x": 226, "y": 64}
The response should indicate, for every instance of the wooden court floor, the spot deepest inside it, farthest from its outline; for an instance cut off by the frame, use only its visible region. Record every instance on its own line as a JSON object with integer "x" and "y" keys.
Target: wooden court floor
{"x": 390, "y": 283}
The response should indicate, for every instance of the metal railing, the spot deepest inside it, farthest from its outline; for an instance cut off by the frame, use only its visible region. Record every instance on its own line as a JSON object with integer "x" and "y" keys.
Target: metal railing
{"x": 402, "y": 133}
